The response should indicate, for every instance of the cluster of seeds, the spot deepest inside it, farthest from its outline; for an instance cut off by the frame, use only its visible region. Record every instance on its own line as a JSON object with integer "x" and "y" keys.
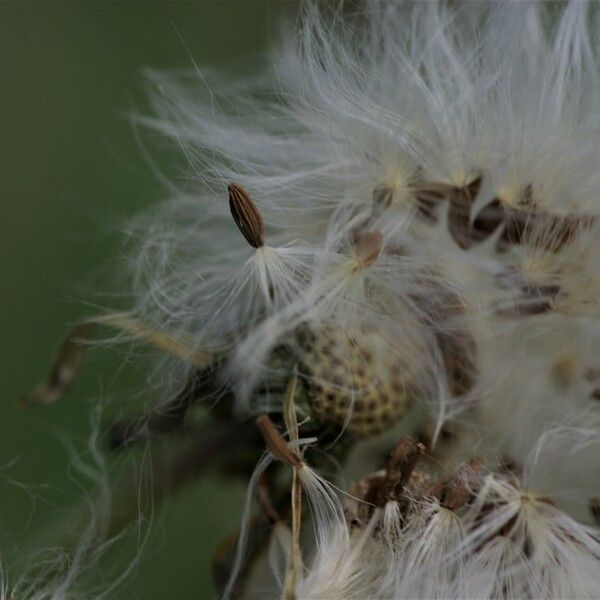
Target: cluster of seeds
{"x": 352, "y": 383}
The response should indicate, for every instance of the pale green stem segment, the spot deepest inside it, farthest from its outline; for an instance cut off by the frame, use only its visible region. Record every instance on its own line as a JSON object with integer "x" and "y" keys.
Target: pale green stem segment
{"x": 71, "y": 351}
{"x": 295, "y": 561}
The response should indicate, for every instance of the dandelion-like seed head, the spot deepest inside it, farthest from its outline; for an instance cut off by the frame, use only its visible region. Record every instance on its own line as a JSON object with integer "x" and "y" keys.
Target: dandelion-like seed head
{"x": 413, "y": 299}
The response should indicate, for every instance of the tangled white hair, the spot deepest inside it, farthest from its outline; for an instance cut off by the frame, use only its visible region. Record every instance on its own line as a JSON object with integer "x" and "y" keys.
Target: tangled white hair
{"x": 417, "y": 186}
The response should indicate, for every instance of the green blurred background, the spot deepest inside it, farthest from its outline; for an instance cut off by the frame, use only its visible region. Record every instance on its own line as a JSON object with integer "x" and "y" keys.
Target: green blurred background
{"x": 70, "y": 173}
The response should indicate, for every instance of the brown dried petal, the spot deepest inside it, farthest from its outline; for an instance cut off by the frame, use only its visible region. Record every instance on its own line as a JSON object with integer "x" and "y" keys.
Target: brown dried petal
{"x": 488, "y": 219}
{"x": 246, "y": 215}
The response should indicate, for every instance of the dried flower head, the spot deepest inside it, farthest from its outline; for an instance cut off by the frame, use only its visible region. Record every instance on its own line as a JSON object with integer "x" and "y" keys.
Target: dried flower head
{"x": 430, "y": 177}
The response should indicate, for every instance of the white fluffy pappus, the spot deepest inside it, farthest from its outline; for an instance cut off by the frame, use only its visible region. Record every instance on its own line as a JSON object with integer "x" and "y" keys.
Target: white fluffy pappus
{"x": 419, "y": 187}
{"x": 507, "y": 540}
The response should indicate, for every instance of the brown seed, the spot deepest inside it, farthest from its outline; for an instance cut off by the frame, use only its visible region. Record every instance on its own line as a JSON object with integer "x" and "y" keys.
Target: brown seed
{"x": 526, "y": 225}
{"x": 246, "y": 215}
{"x": 526, "y": 308}
{"x": 368, "y": 247}
{"x": 401, "y": 464}
{"x": 462, "y": 486}
{"x": 276, "y": 443}
{"x": 382, "y": 200}
{"x": 429, "y": 196}
{"x": 459, "y": 211}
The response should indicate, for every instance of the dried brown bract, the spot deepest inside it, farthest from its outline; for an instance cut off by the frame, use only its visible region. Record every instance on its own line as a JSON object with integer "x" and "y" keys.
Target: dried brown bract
{"x": 65, "y": 367}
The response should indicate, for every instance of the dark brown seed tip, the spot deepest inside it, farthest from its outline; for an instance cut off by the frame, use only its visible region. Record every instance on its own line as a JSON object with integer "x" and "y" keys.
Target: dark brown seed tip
{"x": 367, "y": 246}
{"x": 275, "y": 442}
{"x": 246, "y": 215}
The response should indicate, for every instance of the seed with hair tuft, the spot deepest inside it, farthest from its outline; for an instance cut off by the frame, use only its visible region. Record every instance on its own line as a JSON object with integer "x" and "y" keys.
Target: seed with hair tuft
{"x": 246, "y": 215}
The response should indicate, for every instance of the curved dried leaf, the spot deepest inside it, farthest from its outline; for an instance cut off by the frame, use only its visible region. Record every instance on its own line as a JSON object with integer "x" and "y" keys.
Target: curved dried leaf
{"x": 65, "y": 366}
